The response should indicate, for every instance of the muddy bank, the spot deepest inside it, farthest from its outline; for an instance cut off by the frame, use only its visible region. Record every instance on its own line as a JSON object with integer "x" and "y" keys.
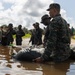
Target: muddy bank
{"x": 25, "y": 42}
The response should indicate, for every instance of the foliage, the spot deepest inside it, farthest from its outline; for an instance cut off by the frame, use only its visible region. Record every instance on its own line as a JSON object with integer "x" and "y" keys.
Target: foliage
{"x": 26, "y": 36}
{"x": 73, "y": 37}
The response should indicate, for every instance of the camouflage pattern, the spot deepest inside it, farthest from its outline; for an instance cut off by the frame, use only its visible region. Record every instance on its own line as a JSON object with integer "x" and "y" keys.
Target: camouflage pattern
{"x": 58, "y": 46}
{"x": 36, "y": 37}
{"x": 19, "y": 34}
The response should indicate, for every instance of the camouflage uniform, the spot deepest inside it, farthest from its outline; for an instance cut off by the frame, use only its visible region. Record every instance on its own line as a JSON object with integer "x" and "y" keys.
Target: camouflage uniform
{"x": 58, "y": 47}
{"x": 36, "y": 37}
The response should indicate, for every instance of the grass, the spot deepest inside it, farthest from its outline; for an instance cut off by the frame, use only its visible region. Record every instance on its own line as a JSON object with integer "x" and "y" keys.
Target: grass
{"x": 26, "y": 36}
{"x": 73, "y": 37}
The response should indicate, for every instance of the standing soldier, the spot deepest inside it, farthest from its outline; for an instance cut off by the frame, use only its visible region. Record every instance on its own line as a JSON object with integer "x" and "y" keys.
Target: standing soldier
{"x": 32, "y": 36}
{"x": 4, "y": 36}
{"x": 36, "y": 37}
{"x": 69, "y": 32}
{"x": 19, "y": 34}
{"x": 38, "y": 34}
{"x": 10, "y": 34}
{"x": 72, "y": 31}
{"x": 58, "y": 46}
{"x": 0, "y": 34}
{"x": 46, "y": 21}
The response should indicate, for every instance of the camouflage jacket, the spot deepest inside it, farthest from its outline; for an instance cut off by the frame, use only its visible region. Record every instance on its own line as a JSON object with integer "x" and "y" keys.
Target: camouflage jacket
{"x": 36, "y": 36}
{"x": 58, "y": 42}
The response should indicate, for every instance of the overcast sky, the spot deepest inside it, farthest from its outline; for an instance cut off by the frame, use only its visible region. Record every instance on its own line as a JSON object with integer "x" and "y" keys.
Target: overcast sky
{"x": 27, "y": 12}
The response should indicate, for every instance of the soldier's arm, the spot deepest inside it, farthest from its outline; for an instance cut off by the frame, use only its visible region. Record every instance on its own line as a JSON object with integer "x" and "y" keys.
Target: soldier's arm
{"x": 51, "y": 42}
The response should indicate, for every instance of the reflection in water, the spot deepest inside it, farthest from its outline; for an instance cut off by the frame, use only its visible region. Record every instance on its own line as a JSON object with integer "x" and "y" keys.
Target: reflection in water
{"x": 71, "y": 70}
{"x": 8, "y": 66}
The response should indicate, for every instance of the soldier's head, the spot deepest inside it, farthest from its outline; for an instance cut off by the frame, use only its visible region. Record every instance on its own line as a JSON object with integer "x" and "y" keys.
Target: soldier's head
{"x": 20, "y": 26}
{"x": 36, "y": 25}
{"x": 10, "y": 26}
{"x": 54, "y": 9}
{"x": 45, "y": 19}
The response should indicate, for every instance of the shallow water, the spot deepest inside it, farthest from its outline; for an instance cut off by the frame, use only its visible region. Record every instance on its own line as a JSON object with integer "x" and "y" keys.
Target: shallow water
{"x": 9, "y": 66}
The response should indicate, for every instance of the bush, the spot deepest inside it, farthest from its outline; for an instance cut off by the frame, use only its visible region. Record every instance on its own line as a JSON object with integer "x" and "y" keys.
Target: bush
{"x": 26, "y": 36}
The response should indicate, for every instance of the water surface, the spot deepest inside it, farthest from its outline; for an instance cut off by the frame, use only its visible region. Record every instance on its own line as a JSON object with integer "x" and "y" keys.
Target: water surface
{"x": 9, "y": 66}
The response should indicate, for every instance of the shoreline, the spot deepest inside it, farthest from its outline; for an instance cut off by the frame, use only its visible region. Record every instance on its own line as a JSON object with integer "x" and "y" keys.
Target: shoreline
{"x": 26, "y": 43}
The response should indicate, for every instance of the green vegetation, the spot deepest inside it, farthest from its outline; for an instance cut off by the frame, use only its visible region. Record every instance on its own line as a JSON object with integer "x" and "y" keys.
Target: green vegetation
{"x": 73, "y": 37}
{"x": 26, "y": 36}
{"x": 14, "y": 36}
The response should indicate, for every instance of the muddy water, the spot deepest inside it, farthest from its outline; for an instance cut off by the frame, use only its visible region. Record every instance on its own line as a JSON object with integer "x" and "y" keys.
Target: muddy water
{"x": 8, "y": 66}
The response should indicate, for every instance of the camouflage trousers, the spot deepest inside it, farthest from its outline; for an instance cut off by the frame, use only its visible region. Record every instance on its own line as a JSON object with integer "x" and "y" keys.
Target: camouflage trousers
{"x": 61, "y": 53}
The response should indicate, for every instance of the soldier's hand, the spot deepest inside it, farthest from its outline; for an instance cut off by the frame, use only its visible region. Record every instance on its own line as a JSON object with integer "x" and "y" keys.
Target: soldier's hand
{"x": 38, "y": 60}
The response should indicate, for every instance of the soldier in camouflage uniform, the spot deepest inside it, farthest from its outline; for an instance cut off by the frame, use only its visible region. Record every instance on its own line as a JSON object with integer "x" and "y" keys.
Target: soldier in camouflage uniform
{"x": 36, "y": 36}
{"x": 46, "y": 21}
{"x": 10, "y": 33}
{"x": 58, "y": 46}
{"x": 19, "y": 34}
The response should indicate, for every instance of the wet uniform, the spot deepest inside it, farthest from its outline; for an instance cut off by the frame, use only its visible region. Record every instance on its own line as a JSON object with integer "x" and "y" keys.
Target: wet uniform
{"x": 58, "y": 46}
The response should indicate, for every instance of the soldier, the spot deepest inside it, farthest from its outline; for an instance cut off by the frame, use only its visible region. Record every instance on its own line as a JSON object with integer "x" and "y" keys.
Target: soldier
{"x": 4, "y": 36}
{"x": 0, "y": 34}
{"x": 38, "y": 34}
{"x": 58, "y": 46}
{"x": 19, "y": 34}
{"x": 32, "y": 38}
{"x": 46, "y": 21}
{"x": 69, "y": 32}
{"x": 10, "y": 33}
{"x": 36, "y": 37}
